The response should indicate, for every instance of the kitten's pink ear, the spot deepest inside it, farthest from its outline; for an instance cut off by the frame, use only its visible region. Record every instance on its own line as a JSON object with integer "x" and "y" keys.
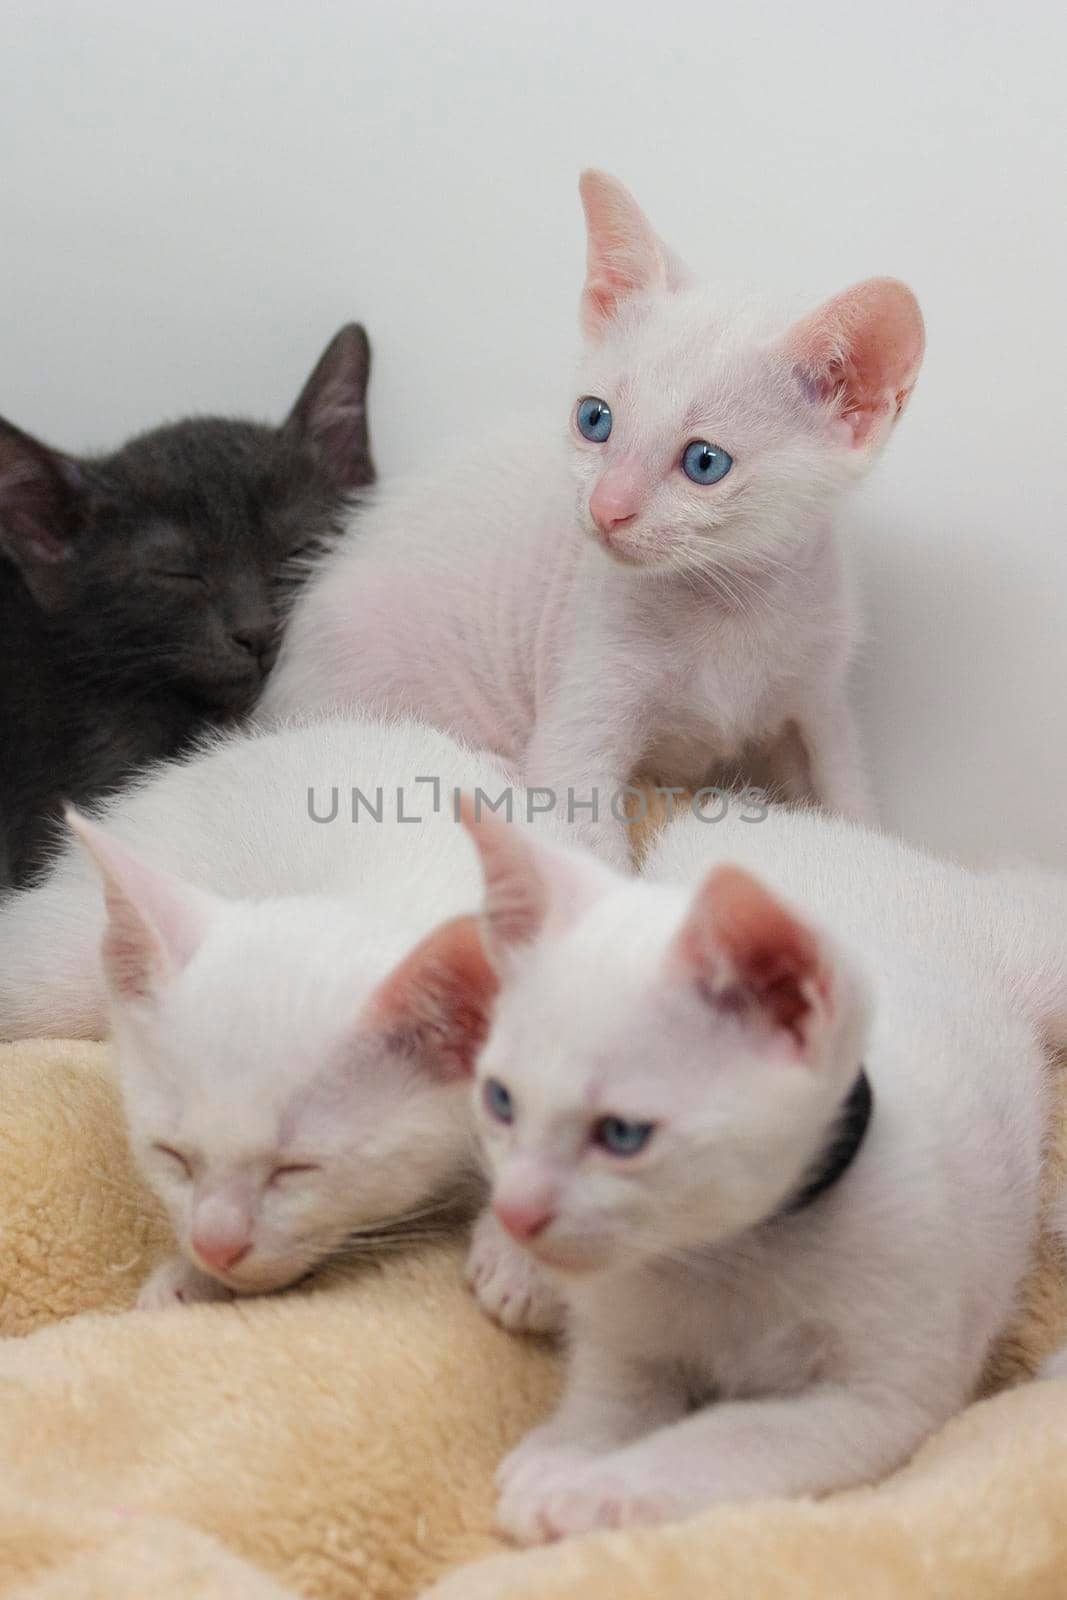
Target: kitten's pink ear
{"x": 438, "y": 1001}
{"x": 625, "y": 255}
{"x": 529, "y": 886}
{"x": 41, "y": 513}
{"x": 861, "y": 353}
{"x": 750, "y": 955}
{"x": 155, "y": 923}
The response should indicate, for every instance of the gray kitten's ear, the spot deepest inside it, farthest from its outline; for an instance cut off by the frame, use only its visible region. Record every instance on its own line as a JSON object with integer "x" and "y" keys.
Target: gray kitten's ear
{"x": 331, "y": 413}
{"x": 41, "y": 512}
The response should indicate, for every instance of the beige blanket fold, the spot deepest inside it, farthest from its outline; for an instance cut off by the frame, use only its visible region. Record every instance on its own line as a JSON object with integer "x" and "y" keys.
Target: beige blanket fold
{"x": 339, "y": 1441}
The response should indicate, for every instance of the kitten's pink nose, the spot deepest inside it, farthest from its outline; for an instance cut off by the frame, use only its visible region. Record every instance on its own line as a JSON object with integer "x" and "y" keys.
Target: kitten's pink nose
{"x": 524, "y": 1219}
{"x": 615, "y": 500}
{"x": 219, "y": 1250}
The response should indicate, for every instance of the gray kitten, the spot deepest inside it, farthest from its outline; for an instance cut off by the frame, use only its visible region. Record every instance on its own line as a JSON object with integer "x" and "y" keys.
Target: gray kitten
{"x": 143, "y": 594}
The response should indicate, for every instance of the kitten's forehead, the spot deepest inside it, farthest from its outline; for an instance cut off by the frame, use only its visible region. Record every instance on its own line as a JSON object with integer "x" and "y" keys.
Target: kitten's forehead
{"x": 267, "y": 1003}
{"x": 217, "y": 480}
{"x": 232, "y": 1143}
{"x": 583, "y": 1011}
{"x": 209, "y": 451}
{"x": 678, "y": 360}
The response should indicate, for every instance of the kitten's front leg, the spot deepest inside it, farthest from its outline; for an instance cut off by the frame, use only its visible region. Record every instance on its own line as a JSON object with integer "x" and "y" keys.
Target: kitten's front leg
{"x": 177, "y": 1282}
{"x": 838, "y": 776}
{"x": 510, "y": 1286}
{"x": 807, "y": 1444}
{"x": 608, "y": 1401}
{"x": 583, "y": 752}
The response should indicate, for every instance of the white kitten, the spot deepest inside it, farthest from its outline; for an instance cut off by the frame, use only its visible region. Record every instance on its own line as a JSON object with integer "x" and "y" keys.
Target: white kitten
{"x": 656, "y": 590}
{"x": 670, "y": 1065}
{"x": 282, "y": 993}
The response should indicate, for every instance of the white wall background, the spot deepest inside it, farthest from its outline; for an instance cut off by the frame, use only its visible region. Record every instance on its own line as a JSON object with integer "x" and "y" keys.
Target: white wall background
{"x": 193, "y": 195}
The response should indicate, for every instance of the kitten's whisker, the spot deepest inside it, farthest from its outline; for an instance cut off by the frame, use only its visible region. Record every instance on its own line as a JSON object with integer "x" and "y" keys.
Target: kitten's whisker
{"x": 442, "y": 1213}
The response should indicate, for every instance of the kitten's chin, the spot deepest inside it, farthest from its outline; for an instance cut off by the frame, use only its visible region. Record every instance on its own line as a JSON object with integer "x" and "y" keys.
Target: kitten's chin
{"x": 573, "y": 1258}
{"x": 630, "y": 549}
{"x": 268, "y": 1278}
{"x": 634, "y": 555}
{"x": 229, "y": 697}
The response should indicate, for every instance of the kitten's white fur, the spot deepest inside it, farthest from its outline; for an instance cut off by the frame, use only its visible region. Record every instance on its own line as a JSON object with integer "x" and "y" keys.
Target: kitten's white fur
{"x": 834, "y": 1340}
{"x": 255, "y": 941}
{"x": 712, "y": 617}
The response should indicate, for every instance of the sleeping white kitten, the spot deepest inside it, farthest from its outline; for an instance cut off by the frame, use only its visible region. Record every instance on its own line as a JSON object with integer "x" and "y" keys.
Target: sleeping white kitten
{"x": 660, "y": 585}
{"x": 775, "y": 1284}
{"x": 292, "y": 1024}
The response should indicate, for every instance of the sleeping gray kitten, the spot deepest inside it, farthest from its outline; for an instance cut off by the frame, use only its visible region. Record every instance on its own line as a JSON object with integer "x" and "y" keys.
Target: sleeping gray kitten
{"x": 143, "y": 594}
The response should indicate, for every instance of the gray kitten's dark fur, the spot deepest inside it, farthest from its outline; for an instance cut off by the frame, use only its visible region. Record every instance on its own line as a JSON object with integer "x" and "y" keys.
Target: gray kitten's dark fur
{"x": 142, "y": 594}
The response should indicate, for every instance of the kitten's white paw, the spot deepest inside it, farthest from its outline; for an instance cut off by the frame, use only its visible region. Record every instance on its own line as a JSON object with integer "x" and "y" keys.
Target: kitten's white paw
{"x": 509, "y": 1285}
{"x": 560, "y": 1493}
{"x": 1055, "y": 1366}
{"x": 530, "y": 1477}
{"x": 177, "y": 1282}
{"x": 543, "y": 1449}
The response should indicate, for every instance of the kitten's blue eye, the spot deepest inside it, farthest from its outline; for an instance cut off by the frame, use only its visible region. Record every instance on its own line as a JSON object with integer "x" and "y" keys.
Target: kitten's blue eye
{"x": 622, "y": 1138}
{"x": 498, "y": 1101}
{"x": 594, "y": 419}
{"x": 704, "y": 462}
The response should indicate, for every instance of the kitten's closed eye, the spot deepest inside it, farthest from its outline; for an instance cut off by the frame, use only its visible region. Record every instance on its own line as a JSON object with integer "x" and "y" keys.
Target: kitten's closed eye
{"x": 175, "y": 1156}
{"x": 292, "y": 1170}
{"x": 191, "y": 580}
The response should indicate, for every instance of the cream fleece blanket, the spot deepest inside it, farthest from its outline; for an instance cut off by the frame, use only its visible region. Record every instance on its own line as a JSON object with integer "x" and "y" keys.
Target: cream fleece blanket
{"x": 339, "y": 1441}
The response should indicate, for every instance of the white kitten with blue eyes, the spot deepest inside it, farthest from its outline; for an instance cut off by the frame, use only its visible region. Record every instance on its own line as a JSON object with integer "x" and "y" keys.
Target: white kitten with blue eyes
{"x": 659, "y": 589}
{"x": 294, "y": 1004}
{"x": 782, "y": 1163}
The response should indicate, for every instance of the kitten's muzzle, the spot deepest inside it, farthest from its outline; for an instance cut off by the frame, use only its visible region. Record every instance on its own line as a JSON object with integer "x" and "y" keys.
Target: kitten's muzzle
{"x": 260, "y": 641}
{"x": 530, "y": 1220}
{"x": 571, "y": 1257}
{"x": 220, "y": 1252}
{"x": 524, "y": 1219}
{"x": 617, "y": 498}
{"x": 236, "y": 682}
{"x": 615, "y": 503}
